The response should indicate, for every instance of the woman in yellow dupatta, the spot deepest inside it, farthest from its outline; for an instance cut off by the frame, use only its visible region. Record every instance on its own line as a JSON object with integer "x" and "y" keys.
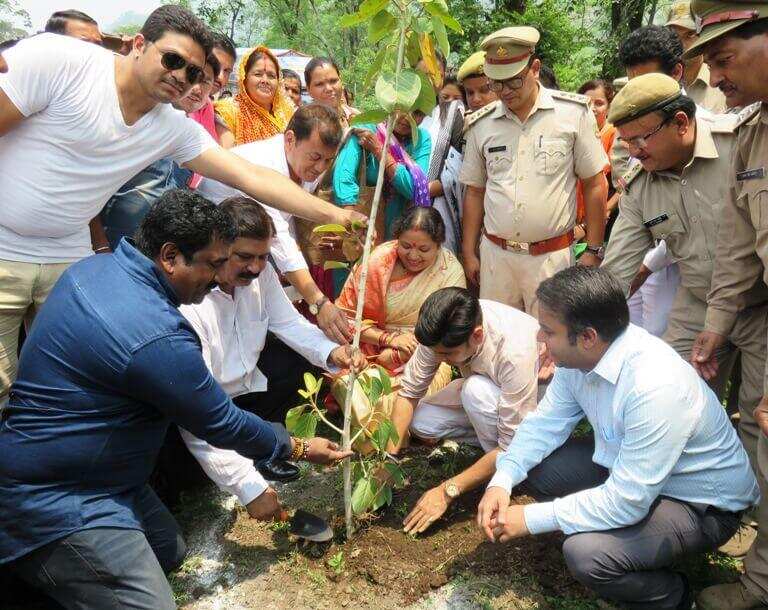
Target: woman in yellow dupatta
{"x": 401, "y": 275}
{"x": 261, "y": 109}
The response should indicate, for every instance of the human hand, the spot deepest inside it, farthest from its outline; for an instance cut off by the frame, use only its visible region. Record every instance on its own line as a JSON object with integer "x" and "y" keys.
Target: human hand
{"x": 514, "y": 524}
{"x": 472, "y": 269}
{"x": 323, "y": 451}
{"x": 345, "y": 357}
{"x": 405, "y": 343}
{"x": 589, "y": 259}
{"x": 761, "y": 415}
{"x": 430, "y": 507}
{"x": 351, "y": 219}
{"x": 334, "y": 323}
{"x": 640, "y": 277}
{"x": 703, "y": 357}
{"x": 369, "y": 142}
{"x": 266, "y": 506}
{"x": 492, "y": 508}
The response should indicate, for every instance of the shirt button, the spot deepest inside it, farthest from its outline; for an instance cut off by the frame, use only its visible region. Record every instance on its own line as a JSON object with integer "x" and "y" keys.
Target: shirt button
{"x": 521, "y": 178}
{"x": 695, "y": 218}
{"x": 517, "y": 234}
{"x": 683, "y": 182}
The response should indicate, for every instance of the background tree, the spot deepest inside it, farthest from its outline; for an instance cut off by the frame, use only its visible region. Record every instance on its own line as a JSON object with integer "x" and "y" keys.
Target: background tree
{"x": 14, "y": 20}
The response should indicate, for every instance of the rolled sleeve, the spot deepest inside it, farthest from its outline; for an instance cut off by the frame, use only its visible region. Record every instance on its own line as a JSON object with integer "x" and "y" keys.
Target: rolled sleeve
{"x": 473, "y": 172}
{"x": 589, "y": 155}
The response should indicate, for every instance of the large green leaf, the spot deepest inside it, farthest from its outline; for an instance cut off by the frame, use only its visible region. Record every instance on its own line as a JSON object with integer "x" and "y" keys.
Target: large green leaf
{"x": 386, "y": 380}
{"x": 438, "y": 29}
{"x": 311, "y": 383}
{"x": 382, "y": 24}
{"x": 351, "y": 20}
{"x": 427, "y": 100}
{"x": 412, "y": 49}
{"x": 292, "y": 417}
{"x": 362, "y": 495}
{"x": 382, "y": 496}
{"x": 398, "y": 93}
{"x": 306, "y": 425}
{"x": 371, "y": 7}
{"x": 375, "y": 68}
{"x": 396, "y": 473}
{"x": 438, "y": 8}
{"x": 369, "y": 116}
{"x": 331, "y": 228}
{"x": 383, "y": 434}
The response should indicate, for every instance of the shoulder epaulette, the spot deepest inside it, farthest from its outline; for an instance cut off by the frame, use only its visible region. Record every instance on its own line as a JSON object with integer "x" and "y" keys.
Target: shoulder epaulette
{"x": 747, "y": 114}
{"x": 627, "y": 179}
{"x": 473, "y": 117}
{"x": 722, "y": 123}
{"x": 571, "y": 97}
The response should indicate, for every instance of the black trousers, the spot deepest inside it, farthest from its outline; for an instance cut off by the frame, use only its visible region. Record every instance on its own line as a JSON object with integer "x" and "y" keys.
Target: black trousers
{"x": 630, "y": 565}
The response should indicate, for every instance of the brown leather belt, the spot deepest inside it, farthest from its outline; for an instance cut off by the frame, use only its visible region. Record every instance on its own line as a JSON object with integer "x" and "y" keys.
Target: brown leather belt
{"x": 553, "y": 244}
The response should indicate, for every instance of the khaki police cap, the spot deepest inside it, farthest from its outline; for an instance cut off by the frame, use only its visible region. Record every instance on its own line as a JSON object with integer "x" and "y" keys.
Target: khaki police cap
{"x": 507, "y": 51}
{"x": 619, "y": 83}
{"x": 715, "y": 19}
{"x": 641, "y": 95}
{"x": 681, "y": 16}
{"x": 472, "y": 66}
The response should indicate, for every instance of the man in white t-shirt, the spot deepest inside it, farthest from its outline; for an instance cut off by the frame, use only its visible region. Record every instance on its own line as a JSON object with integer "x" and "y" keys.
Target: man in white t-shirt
{"x": 303, "y": 153}
{"x": 76, "y": 122}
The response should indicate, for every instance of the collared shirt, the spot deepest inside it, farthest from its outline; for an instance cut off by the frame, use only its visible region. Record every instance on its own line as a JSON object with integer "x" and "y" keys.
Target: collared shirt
{"x": 704, "y": 95}
{"x": 108, "y": 364}
{"x": 267, "y": 153}
{"x": 529, "y": 169}
{"x": 233, "y": 331}
{"x": 508, "y": 356}
{"x": 659, "y": 430}
{"x": 682, "y": 209}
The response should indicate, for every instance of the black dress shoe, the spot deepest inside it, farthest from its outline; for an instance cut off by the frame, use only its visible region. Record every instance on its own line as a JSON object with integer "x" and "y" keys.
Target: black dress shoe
{"x": 279, "y": 470}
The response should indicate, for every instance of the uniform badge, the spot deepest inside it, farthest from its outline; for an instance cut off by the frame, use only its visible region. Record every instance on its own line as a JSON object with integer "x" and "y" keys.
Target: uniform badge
{"x": 751, "y": 174}
{"x": 501, "y": 51}
{"x": 655, "y": 221}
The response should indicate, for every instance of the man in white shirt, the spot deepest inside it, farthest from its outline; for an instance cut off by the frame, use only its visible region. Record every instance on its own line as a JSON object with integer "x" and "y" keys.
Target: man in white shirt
{"x": 495, "y": 348}
{"x": 232, "y": 323}
{"x": 666, "y": 474}
{"x": 76, "y": 122}
{"x": 303, "y": 153}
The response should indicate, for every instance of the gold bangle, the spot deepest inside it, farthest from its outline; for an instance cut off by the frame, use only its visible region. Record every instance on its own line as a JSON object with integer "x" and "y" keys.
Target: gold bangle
{"x": 298, "y": 449}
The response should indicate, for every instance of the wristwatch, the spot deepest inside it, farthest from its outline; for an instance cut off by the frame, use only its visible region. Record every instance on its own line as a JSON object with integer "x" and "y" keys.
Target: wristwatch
{"x": 315, "y": 308}
{"x": 598, "y": 251}
{"x": 451, "y": 490}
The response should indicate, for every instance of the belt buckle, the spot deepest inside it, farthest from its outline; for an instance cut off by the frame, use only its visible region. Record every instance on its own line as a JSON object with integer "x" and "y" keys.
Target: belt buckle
{"x": 517, "y": 246}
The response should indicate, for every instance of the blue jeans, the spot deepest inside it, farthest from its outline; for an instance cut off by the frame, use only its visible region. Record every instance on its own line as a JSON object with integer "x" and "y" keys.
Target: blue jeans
{"x": 111, "y": 568}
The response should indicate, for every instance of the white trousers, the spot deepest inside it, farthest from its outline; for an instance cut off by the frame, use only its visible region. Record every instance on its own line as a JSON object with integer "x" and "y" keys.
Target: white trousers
{"x": 649, "y": 307}
{"x": 475, "y": 422}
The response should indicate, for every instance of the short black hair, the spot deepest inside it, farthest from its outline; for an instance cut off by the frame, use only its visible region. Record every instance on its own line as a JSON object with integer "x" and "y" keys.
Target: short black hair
{"x": 257, "y": 55}
{"x": 548, "y": 78}
{"x": 213, "y": 61}
{"x": 291, "y": 74}
{"x": 315, "y": 63}
{"x": 652, "y": 43}
{"x": 225, "y": 43}
{"x": 586, "y": 297}
{"x": 681, "y": 104}
{"x": 597, "y": 83}
{"x": 448, "y": 317}
{"x": 175, "y": 18}
{"x": 426, "y": 219}
{"x": 183, "y": 218}
{"x": 57, "y": 22}
{"x": 318, "y": 116}
{"x": 249, "y": 218}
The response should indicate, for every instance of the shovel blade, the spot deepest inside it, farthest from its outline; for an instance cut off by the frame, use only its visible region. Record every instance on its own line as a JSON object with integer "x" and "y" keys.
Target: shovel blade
{"x": 310, "y": 527}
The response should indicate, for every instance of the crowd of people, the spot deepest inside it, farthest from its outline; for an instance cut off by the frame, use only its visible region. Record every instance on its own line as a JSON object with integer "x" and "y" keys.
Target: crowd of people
{"x": 541, "y": 258}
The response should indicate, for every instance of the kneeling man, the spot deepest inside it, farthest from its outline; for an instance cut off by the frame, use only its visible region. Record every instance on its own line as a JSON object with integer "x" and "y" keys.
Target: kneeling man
{"x": 666, "y": 474}
{"x": 232, "y": 322}
{"x": 494, "y": 347}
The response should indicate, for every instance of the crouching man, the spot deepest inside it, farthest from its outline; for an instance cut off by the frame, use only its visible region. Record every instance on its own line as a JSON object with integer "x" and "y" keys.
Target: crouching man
{"x": 494, "y": 347}
{"x": 666, "y": 474}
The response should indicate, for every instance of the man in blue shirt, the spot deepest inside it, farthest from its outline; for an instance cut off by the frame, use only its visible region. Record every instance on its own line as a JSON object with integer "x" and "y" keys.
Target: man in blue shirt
{"x": 665, "y": 474}
{"x": 109, "y": 363}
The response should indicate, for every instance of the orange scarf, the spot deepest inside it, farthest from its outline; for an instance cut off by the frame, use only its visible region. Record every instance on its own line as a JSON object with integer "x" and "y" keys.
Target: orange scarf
{"x": 247, "y": 120}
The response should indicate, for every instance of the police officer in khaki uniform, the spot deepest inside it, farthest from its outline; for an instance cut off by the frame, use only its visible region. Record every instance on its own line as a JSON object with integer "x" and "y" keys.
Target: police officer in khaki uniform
{"x": 734, "y": 39}
{"x": 676, "y": 194}
{"x": 477, "y": 86}
{"x": 695, "y": 72}
{"x": 521, "y": 161}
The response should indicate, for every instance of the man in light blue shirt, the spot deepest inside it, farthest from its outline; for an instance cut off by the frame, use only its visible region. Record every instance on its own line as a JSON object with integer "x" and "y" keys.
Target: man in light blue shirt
{"x": 665, "y": 475}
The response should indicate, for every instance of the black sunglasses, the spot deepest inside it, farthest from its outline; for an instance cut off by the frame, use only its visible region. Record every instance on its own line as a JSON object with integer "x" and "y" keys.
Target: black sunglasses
{"x": 173, "y": 61}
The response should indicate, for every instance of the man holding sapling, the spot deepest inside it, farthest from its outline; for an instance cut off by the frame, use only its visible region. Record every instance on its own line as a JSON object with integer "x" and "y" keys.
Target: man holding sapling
{"x": 495, "y": 348}
{"x": 665, "y": 475}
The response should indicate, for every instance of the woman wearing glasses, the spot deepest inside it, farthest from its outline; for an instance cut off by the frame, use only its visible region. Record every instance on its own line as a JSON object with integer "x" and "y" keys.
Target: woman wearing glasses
{"x": 261, "y": 109}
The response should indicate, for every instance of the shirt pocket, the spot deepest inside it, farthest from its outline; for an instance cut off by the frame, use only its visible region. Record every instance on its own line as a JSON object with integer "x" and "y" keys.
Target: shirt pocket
{"x": 665, "y": 229}
{"x": 498, "y": 165}
{"x": 755, "y": 194}
{"x": 551, "y": 155}
{"x": 257, "y": 330}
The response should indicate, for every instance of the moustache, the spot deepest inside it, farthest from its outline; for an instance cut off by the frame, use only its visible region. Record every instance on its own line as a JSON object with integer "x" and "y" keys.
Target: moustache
{"x": 248, "y": 276}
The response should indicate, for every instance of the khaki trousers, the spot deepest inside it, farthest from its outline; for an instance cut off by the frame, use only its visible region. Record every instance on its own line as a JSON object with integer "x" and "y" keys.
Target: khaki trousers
{"x": 23, "y": 290}
{"x": 755, "y": 577}
{"x": 686, "y": 321}
{"x": 512, "y": 278}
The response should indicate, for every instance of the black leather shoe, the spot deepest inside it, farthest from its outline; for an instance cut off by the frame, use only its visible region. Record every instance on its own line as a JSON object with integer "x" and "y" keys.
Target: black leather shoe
{"x": 279, "y": 470}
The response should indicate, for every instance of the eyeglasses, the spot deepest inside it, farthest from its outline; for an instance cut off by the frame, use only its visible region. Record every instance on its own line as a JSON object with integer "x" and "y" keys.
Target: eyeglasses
{"x": 642, "y": 141}
{"x": 172, "y": 61}
{"x": 512, "y": 84}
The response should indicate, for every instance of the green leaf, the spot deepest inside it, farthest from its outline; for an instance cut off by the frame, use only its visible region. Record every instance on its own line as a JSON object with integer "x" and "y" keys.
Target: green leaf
{"x": 386, "y": 380}
{"x": 305, "y": 394}
{"x": 398, "y": 93}
{"x": 438, "y": 8}
{"x": 362, "y": 495}
{"x": 348, "y": 21}
{"x": 427, "y": 99}
{"x": 292, "y": 417}
{"x": 412, "y": 49}
{"x": 310, "y": 383}
{"x": 422, "y": 25}
{"x": 331, "y": 228}
{"x": 380, "y": 497}
{"x": 369, "y": 116}
{"x": 306, "y": 425}
{"x": 397, "y": 474}
{"x": 438, "y": 29}
{"x": 383, "y": 434}
{"x": 382, "y": 24}
{"x": 375, "y": 68}
{"x": 329, "y": 265}
{"x": 371, "y": 7}
{"x": 414, "y": 128}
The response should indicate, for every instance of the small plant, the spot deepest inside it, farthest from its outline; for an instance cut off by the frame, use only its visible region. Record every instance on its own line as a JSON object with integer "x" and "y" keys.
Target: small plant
{"x": 337, "y": 563}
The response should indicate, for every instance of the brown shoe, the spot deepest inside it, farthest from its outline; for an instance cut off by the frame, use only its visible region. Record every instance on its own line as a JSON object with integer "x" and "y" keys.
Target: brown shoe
{"x": 731, "y": 596}
{"x": 740, "y": 542}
